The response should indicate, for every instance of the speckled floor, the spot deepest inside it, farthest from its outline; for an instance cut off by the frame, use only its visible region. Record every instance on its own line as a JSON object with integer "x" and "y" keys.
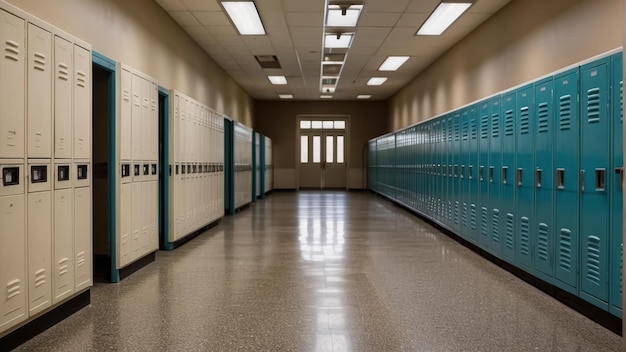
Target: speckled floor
{"x": 323, "y": 271}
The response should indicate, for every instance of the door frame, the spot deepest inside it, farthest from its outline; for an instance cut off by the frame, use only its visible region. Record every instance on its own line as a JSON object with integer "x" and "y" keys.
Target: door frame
{"x": 322, "y": 117}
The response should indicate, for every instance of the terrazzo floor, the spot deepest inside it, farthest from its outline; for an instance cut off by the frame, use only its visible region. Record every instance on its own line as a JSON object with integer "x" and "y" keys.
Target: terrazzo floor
{"x": 323, "y": 271}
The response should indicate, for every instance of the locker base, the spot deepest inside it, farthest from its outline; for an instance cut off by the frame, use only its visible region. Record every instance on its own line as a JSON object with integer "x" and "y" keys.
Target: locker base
{"x": 136, "y": 265}
{"x": 173, "y": 245}
{"x": 45, "y": 321}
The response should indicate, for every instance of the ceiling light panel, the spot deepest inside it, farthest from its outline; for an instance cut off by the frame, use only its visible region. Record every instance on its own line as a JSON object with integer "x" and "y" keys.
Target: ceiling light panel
{"x": 334, "y": 41}
{"x": 278, "y": 80}
{"x": 376, "y": 81}
{"x": 363, "y": 96}
{"x": 444, "y": 15}
{"x": 393, "y": 63}
{"x": 285, "y": 96}
{"x": 245, "y": 17}
{"x": 326, "y": 96}
{"x": 337, "y": 18}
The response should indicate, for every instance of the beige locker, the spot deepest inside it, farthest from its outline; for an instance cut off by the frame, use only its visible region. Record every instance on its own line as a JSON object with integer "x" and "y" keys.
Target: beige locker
{"x": 154, "y": 216}
{"x": 39, "y": 175}
{"x": 12, "y": 261}
{"x": 82, "y": 238}
{"x": 126, "y": 106}
{"x": 154, "y": 122}
{"x": 39, "y": 251}
{"x": 176, "y": 197}
{"x": 136, "y": 220}
{"x": 63, "y": 68}
{"x": 136, "y": 118}
{"x": 146, "y": 210}
{"x": 125, "y": 235}
{"x": 39, "y": 121}
{"x": 63, "y": 243}
{"x": 82, "y": 103}
{"x": 12, "y": 95}
{"x": 145, "y": 119}
{"x": 174, "y": 130}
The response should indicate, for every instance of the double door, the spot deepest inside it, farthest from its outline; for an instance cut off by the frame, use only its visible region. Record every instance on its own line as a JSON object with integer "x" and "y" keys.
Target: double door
{"x": 322, "y": 160}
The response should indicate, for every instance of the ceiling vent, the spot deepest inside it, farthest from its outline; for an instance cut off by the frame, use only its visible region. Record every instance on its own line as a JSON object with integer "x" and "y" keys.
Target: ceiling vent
{"x": 267, "y": 61}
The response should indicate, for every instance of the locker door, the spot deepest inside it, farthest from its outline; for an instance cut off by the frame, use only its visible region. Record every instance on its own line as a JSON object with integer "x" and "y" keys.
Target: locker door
{"x": 146, "y": 129}
{"x": 524, "y": 181}
{"x": 566, "y": 147}
{"x": 12, "y": 261}
{"x": 154, "y": 122}
{"x": 136, "y": 121}
{"x": 617, "y": 113}
{"x": 82, "y": 237}
{"x": 456, "y": 153}
{"x": 463, "y": 175}
{"x": 154, "y": 220}
{"x": 125, "y": 243}
{"x": 472, "y": 174}
{"x": 82, "y": 103}
{"x": 494, "y": 176}
{"x": 136, "y": 221}
{"x": 63, "y": 241}
{"x": 507, "y": 176}
{"x": 595, "y": 188}
{"x": 39, "y": 93}
{"x": 12, "y": 96}
{"x": 543, "y": 228}
{"x": 39, "y": 251}
{"x": 449, "y": 165}
{"x": 125, "y": 115}
{"x": 482, "y": 174}
{"x": 146, "y": 213}
{"x": 63, "y": 57}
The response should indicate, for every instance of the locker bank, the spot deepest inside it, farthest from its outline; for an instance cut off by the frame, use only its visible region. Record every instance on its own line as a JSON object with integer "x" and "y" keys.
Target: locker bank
{"x": 171, "y": 181}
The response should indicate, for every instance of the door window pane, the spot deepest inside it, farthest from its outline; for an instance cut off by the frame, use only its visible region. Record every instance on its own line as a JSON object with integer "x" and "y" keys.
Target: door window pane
{"x": 317, "y": 149}
{"x": 305, "y": 125}
{"x": 327, "y": 125}
{"x": 304, "y": 149}
{"x": 316, "y": 124}
{"x": 340, "y": 158}
{"x": 330, "y": 148}
{"x": 340, "y": 125}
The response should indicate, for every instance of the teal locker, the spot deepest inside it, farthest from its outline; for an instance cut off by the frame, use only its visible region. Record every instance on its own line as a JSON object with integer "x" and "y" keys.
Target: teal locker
{"x": 507, "y": 176}
{"x": 456, "y": 182}
{"x": 594, "y": 200}
{"x": 464, "y": 162}
{"x": 617, "y": 114}
{"x": 493, "y": 175}
{"x": 483, "y": 166}
{"x": 449, "y": 168}
{"x": 543, "y": 227}
{"x": 524, "y": 175}
{"x": 441, "y": 156}
{"x": 472, "y": 175}
{"x": 566, "y": 147}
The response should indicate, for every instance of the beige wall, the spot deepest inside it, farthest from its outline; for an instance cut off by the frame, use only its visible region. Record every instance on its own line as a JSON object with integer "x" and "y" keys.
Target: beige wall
{"x": 525, "y": 40}
{"x": 277, "y": 120}
{"x": 141, "y": 34}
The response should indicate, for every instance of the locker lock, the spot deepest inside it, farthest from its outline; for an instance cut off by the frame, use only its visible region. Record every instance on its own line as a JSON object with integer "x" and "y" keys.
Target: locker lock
{"x": 10, "y": 176}
{"x": 39, "y": 174}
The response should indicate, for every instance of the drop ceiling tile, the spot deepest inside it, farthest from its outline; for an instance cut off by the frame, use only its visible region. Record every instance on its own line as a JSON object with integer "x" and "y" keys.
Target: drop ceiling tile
{"x": 412, "y": 20}
{"x": 305, "y": 19}
{"x": 423, "y": 6}
{"x": 184, "y": 18}
{"x": 222, "y": 31}
{"x": 488, "y": 6}
{"x": 211, "y": 18}
{"x": 363, "y": 50}
{"x": 303, "y": 6}
{"x": 379, "y": 19}
{"x": 202, "y": 5}
{"x": 385, "y": 6}
{"x": 370, "y": 36}
{"x": 172, "y": 5}
{"x": 257, "y": 42}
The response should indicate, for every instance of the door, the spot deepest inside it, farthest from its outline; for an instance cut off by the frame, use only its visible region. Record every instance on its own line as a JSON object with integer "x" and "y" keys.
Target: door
{"x": 323, "y": 154}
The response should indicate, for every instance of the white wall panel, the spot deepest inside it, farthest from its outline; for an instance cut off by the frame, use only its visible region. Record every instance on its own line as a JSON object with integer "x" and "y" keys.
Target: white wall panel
{"x": 40, "y": 69}
{"x": 63, "y": 65}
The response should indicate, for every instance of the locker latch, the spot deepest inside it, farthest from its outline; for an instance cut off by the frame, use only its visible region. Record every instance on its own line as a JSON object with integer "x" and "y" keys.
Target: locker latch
{"x": 504, "y": 174}
{"x": 620, "y": 171}
{"x": 491, "y": 174}
{"x": 481, "y": 173}
{"x": 518, "y": 176}
{"x": 39, "y": 174}
{"x": 10, "y": 176}
{"x": 63, "y": 173}
{"x": 469, "y": 171}
{"x": 600, "y": 180}
{"x": 560, "y": 178}
{"x": 538, "y": 174}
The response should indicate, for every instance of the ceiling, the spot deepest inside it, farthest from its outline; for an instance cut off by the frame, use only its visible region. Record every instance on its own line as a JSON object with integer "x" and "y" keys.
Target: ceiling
{"x": 295, "y": 33}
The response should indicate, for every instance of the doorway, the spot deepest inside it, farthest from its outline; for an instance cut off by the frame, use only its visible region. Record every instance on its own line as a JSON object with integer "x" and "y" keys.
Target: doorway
{"x": 322, "y": 158}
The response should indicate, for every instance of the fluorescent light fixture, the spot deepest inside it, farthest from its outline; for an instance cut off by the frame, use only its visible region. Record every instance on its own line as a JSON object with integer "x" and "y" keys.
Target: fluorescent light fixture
{"x": 393, "y": 63}
{"x": 285, "y": 96}
{"x": 343, "y": 17}
{"x": 376, "y": 81}
{"x": 245, "y": 17}
{"x": 338, "y": 41}
{"x": 363, "y": 96}
{"x": 443, "y": 16}
{"x": 326, "y": 96}
{"x": 328, "y": 89}
{"x": 278, "y": 80}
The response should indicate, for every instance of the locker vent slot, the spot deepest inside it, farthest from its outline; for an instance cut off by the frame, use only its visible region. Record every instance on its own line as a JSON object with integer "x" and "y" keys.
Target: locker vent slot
{"x": 473, "y": 216}
{"x": 495, "y": 225}
{"x": 565, "y": 250}
{"x": 39, "y": 62}
{"x": 63, "y": 266}
{"x": 621, "y": 265}
{"x": 464, "y": 216}
{"x": 592, "y": 271}
{"x": 484, "y": 222}
{"x": 81, "y": 80}
{"x": 12, "y": 50}
{"x": 508, "y": 236}
{"x": 40, "y": 277}
{"x": 495, "y": 125}
{"x": 13, "y": 289}
{"x": 474, "y": 129}
{"x": 126, "y": 95}
{"x": 465, "y": 130}
{"x": 63, "y": 73}
{"x": 621, "y": 102}
{"x": 593, "y": 105}
{"x": 508, "y": 123}
{"x": 484, "y": 127}
{"x": 457, "y": 131}
{"x": 543, "y": 117}
{"x": 565, "y": 112}
{"x": 525, "y": 236}
{"x": 456, "y": 213}
{"x": 80, "y": 259}
{"x": 524, "y": 120}
{"x": 542, "y": 242}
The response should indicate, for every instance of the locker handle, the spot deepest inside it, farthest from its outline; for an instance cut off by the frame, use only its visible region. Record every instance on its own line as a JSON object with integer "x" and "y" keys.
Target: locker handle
{"x": 600, "y": 180}
{"x": 504, "y": 174}
{"x": 538, "y": 174}
{"x": 469, "y": 171}
{"x": 620, "y": 171}
{"x": 518, "y": 176}
{"x": 462, "y": 171}
{"x": 491, "y": 174}
{"x": 481, "y": 173}
{"x": 581, "y": 180}
{"x": 560, "y": 178}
